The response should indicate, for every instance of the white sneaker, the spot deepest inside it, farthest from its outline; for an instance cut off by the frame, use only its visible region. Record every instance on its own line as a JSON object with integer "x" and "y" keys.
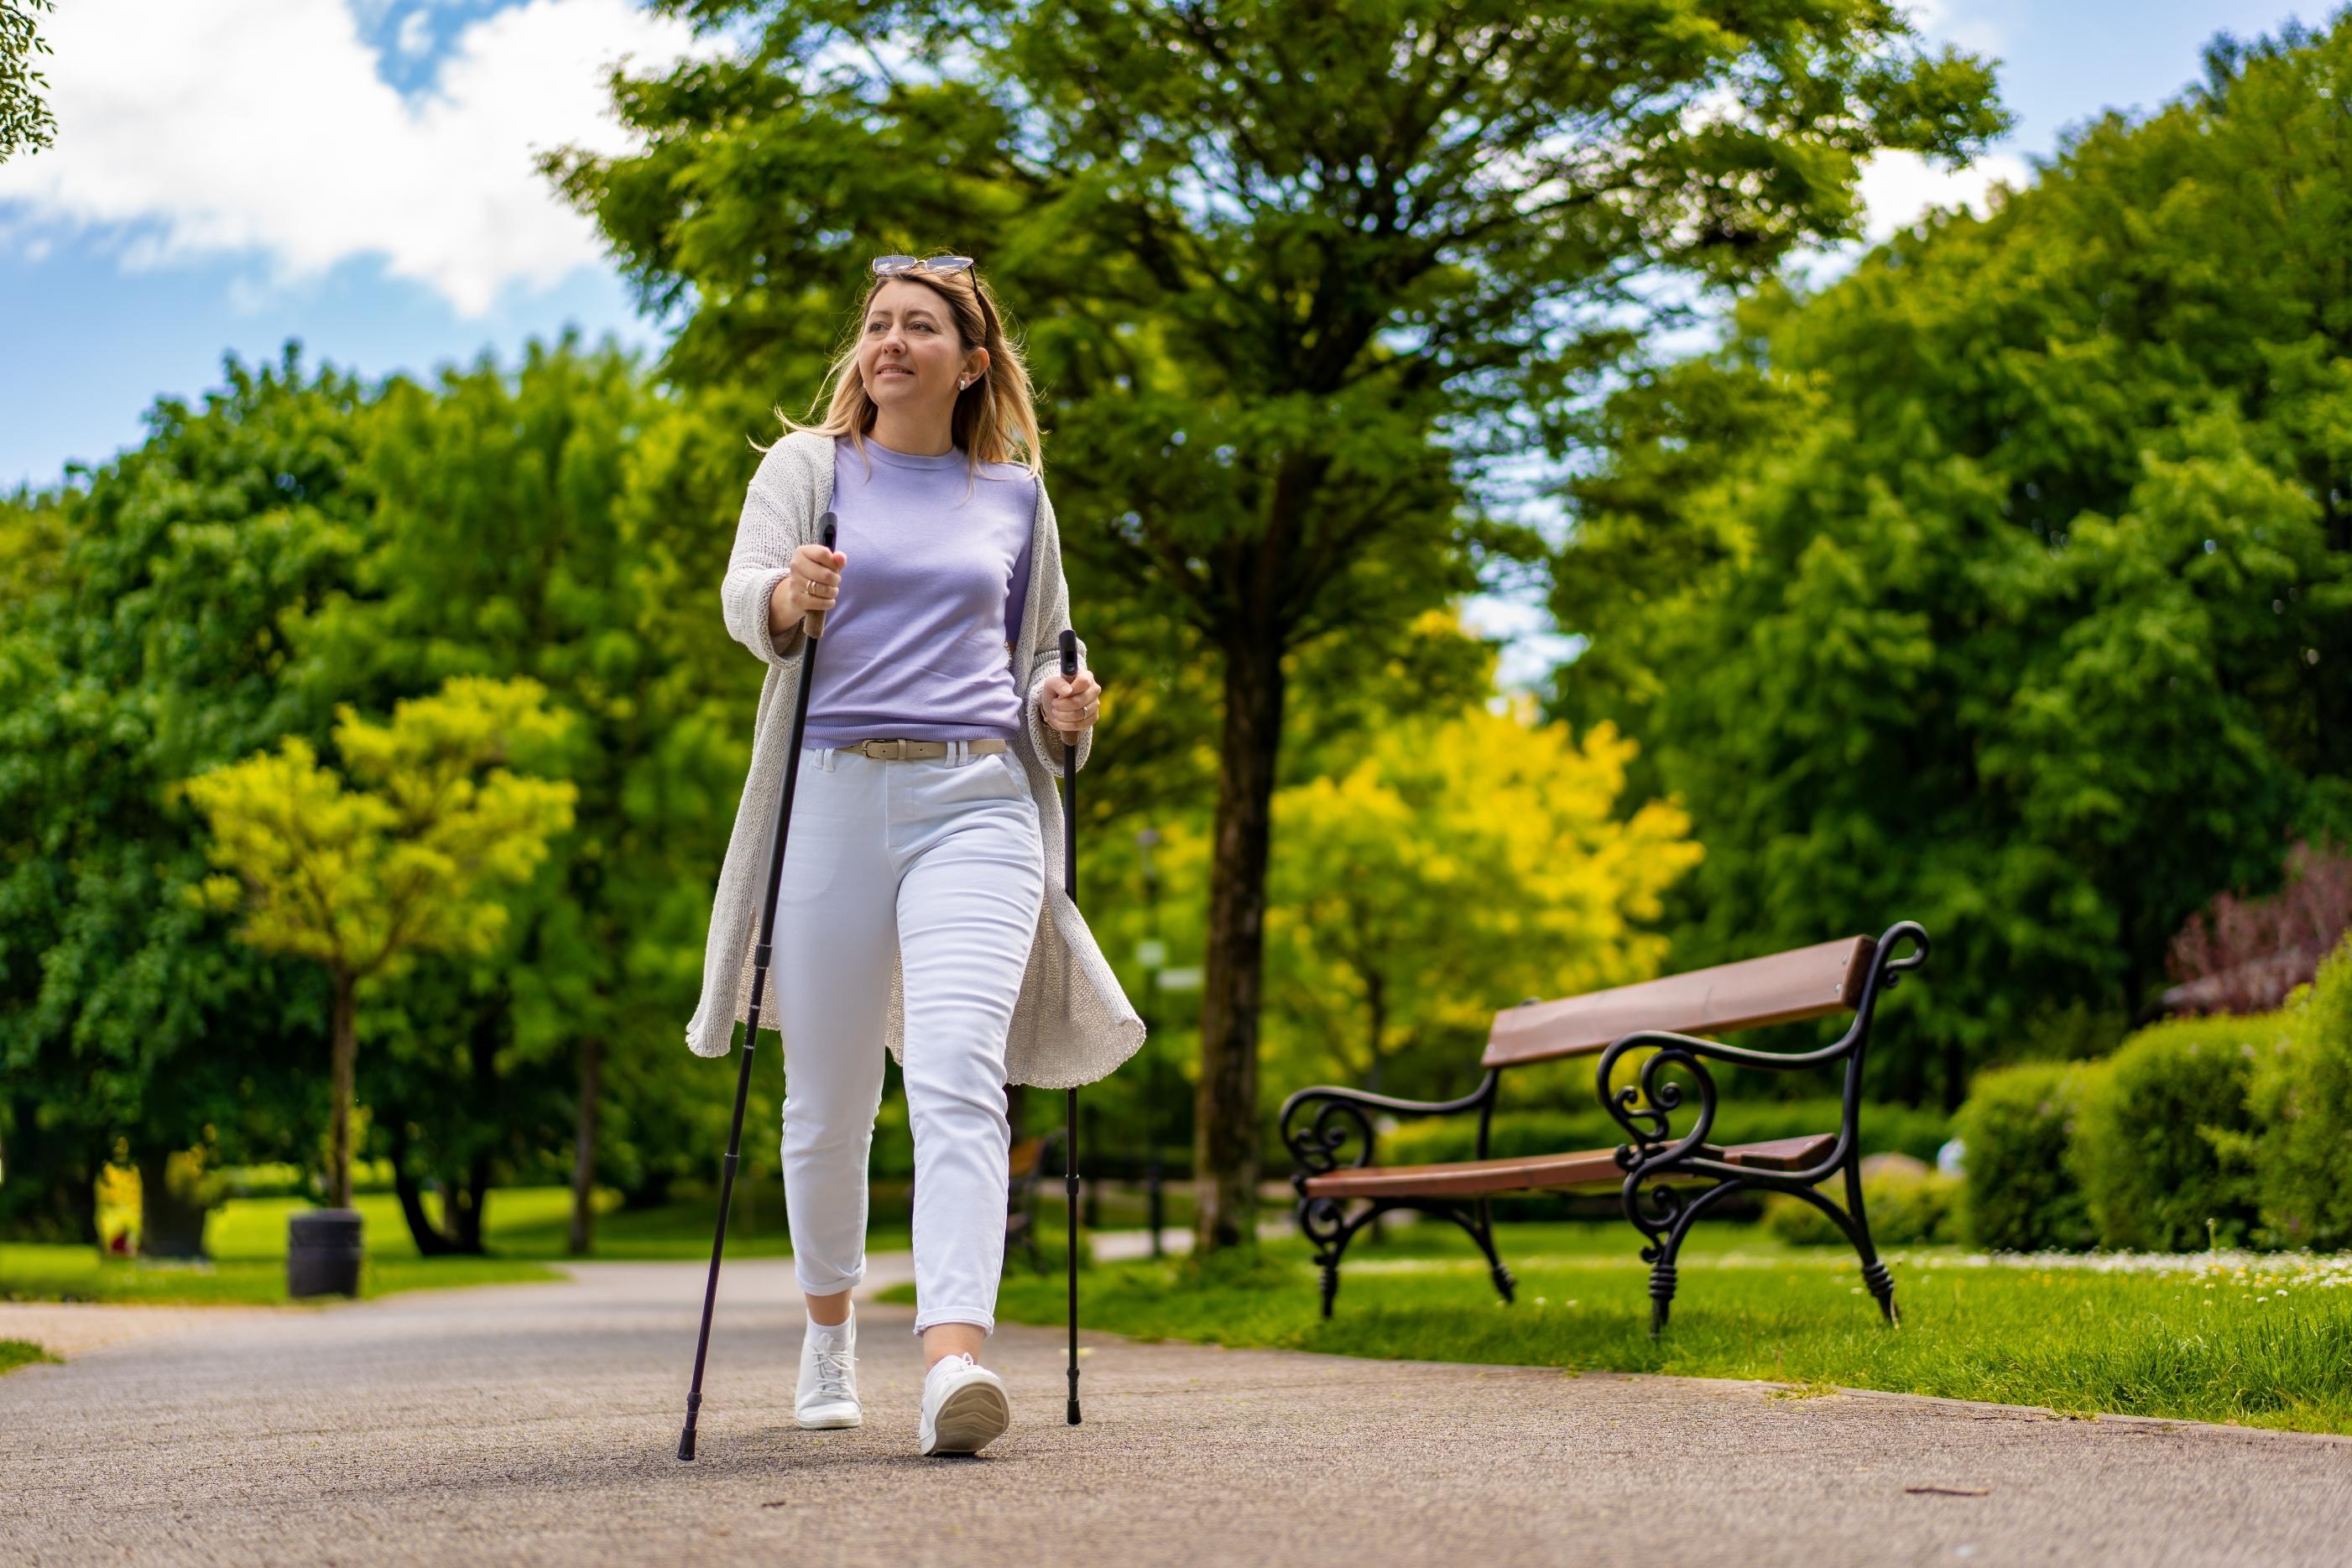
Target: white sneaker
{"x": 828, "y": 1395}
{"x": 964, "y": 1407}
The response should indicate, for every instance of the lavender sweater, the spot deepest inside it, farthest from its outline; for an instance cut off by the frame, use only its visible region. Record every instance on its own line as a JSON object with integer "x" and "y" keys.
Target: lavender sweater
{"x": 920, "y": 642}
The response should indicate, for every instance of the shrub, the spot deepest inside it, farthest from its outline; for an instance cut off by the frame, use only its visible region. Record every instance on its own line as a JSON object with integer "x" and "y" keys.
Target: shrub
{"x": 2163, "y": 1142}
{"x": 1907, "y": 1206}
{"x": 2302, "y": 1093}
{"x": 2247, "y": 955}
{"x": 2021, "y": 1194}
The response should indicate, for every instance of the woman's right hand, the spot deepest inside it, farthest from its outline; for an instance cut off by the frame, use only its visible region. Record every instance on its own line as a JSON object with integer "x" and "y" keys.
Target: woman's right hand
{"x": 812, "y": 584}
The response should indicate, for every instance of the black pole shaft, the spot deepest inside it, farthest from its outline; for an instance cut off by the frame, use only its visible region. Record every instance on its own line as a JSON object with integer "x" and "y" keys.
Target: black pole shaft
{"x": 1070, "y": 1103}
{"x": 761, "y": 954}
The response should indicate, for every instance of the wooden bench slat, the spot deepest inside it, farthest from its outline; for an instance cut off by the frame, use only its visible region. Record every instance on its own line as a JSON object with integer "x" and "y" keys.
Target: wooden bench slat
{"x": 1783, "y": 1154}
{"x": 1542, "y": 1173}
{"x": 1809, "y": 982}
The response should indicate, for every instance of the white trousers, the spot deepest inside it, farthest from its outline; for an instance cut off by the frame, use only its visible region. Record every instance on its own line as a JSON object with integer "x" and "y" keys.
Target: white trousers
{"x": 944, "y": 858}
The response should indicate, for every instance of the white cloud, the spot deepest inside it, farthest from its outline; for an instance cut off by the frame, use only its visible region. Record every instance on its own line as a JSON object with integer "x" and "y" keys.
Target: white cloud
{"x": 1964, "y": 26}
{"x": 415, "y": 33}
{"x": 236, "y": 126}
{"x": 1899, "y": 188}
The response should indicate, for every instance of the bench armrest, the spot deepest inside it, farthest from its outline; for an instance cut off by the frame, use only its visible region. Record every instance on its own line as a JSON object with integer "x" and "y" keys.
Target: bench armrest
{"x": 1316, "y": 1142}
{"x": 1653, "y": 1142}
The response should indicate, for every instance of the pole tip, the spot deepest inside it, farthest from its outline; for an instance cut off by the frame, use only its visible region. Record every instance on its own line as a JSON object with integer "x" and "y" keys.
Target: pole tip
{"x": 686, "y": 1443}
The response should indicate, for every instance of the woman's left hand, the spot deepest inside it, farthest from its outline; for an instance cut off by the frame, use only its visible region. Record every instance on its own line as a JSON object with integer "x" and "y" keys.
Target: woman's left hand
{"x": 1071, "y": 704}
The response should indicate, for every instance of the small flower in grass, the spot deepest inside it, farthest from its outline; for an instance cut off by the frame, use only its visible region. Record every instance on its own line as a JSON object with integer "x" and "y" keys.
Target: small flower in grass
{"x": 1541, "y": 1303}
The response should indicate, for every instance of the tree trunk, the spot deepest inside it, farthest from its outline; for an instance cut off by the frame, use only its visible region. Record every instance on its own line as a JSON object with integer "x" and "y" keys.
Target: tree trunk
{"x": 346, "y": 1052}
{"x": 465, "y": 1206}
{"x": 464, "y": 1199}
{"x": 430, "y": 1241}
{"x": 171, "y": 1224}
{"x": 582, "y": 1241}
{"x": 1224, "y": 1141}
{"x": 49, "y": 1192}
{"x": 1376, "y": 995}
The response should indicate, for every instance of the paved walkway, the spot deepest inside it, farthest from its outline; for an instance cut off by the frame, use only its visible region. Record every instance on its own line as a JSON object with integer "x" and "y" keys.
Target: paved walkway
{"x": 538, "y": 1423}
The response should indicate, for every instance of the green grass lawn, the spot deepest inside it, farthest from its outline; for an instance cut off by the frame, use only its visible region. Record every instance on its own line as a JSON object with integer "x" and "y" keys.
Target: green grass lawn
{"x": 16, "y": 1353}
{"x": 535, "y": 1222}
{"x": 524, "y": 1228}
{"x": 51, "y": 1273}
{"x": 2268, "y": 1344}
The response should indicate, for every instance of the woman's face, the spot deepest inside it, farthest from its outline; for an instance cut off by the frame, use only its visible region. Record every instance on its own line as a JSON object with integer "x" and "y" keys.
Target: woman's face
{"x": 910, "y": 358}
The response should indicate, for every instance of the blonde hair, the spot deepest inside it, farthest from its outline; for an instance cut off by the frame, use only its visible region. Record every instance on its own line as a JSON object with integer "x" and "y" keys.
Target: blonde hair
{"x": 994, "y": 417}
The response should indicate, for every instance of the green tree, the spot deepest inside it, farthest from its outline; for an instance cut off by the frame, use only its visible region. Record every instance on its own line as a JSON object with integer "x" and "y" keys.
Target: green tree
{"x": 144, "y": 607}
{"x": 1298, "y": 276}
{"x": 361, "y": 880}
{"x": 2006, "y": 583}
{"x": 1453, "y": 870}
{"x": 26, "y": 122}
{"x": 532, "y": 523}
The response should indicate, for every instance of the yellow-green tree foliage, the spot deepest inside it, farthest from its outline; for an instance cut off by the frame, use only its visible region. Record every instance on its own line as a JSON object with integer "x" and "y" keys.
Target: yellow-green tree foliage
{"x": 400, "y": 855}
{"x": 1445, "y": 872}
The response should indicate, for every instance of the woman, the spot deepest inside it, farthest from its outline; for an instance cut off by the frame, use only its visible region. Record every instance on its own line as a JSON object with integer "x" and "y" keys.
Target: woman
{"x": 921, "y": 905}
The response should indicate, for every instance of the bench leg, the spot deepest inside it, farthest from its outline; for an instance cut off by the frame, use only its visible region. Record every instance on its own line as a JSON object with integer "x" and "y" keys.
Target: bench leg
{"x": 1882, "y": 1287}
{"x": 1875, "y": 1275}
{"x": 1662, "y": 1294}
{"x": 1324, "y": 1224}
{"x": 1484, "y": 1234}
{"x": 1667, "y": 1245}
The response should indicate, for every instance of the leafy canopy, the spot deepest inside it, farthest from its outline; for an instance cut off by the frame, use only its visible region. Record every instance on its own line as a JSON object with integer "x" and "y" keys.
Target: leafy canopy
{"x": 2006, "y": 584}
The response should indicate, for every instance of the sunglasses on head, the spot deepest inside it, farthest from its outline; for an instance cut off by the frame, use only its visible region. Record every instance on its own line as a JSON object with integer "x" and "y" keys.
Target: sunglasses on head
{"x": 891, "y": 266}
{"x": 886, "y": 265}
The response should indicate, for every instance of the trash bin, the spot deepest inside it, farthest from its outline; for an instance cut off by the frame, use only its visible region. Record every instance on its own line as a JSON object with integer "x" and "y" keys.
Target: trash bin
{"x": 322, "y": 1253}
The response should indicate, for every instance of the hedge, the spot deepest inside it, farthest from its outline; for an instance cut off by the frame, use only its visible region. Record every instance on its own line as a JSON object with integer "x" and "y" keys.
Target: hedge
{"x": 2021, "y": 1193}
{"x": 2164, "y": 1147}
{"x": 2301, "y": 1101}
{"x": 1905, "y": 1208}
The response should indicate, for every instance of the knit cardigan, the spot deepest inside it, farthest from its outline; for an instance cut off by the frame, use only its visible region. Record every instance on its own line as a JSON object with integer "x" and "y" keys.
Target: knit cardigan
{"x": 1072, "y": 1023}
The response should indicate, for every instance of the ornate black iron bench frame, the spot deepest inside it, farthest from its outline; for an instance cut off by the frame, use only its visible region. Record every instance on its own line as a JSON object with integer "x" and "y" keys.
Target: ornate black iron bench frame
{"x": 1812, "y": 982}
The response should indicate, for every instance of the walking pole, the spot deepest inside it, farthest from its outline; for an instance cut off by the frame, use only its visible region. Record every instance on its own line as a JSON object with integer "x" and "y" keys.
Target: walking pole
{"x": 813, "y": 625}
{"x": 1070, "y": 1105}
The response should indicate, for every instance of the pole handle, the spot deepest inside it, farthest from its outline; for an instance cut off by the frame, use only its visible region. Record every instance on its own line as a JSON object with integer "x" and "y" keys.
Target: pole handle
{"x": 814, "y": 622}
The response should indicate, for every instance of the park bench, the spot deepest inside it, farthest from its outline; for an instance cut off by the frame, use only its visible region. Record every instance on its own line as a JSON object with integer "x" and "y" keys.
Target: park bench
{"x": 1031, "y": 1158}
{"x": 1667, "y": 1019}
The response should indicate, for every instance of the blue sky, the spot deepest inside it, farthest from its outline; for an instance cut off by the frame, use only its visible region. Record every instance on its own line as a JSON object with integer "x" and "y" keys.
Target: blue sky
{"x": 354, "y": 173}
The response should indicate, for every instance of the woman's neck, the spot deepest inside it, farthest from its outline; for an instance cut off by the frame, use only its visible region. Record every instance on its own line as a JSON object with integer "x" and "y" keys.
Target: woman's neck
{"x": 915, "y": 439}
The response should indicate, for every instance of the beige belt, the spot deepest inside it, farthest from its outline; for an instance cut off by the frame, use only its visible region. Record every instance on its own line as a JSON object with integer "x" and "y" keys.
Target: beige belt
{"x": 917, "y": 750}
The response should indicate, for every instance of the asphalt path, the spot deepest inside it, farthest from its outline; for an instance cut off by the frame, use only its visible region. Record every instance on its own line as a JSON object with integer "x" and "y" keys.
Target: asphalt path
{"x": 540, "y": 1424}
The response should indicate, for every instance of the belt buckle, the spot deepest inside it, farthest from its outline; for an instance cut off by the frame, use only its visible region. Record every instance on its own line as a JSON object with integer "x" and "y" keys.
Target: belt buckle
{"x": 896, "y": 752}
